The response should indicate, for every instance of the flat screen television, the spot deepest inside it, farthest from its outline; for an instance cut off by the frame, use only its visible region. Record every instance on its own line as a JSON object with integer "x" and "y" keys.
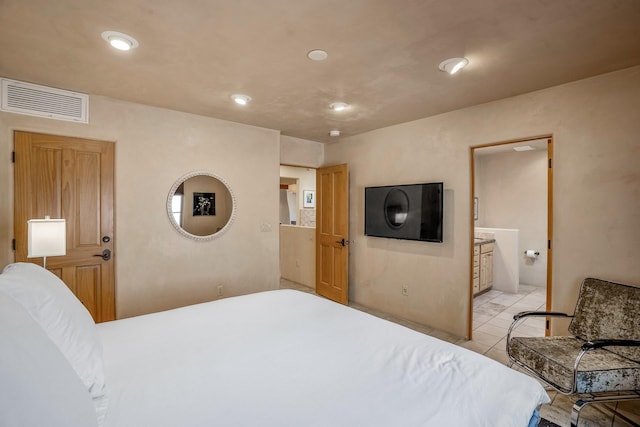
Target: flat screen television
{"x": 410, "y": 212}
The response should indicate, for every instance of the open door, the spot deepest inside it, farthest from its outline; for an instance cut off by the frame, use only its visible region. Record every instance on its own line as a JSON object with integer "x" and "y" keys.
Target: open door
{"x": 70, "y": 178}
{"x": 332, "y": 233}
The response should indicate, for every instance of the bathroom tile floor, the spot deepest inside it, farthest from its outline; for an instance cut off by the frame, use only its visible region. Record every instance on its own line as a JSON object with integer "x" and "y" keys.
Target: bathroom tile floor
{"x": 492, "y": 314}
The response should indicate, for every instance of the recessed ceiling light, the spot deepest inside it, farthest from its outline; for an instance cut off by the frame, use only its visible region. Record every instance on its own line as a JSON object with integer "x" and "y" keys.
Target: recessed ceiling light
{"x": 453, "y": 65}
{"x": 120, "y": 41}
{"x": 524, "y": 148}
{"x": 334, "y": 132}
{"x": 317, "y": 55}
{"x": 241, "y": 99}
{"x": 339, "y": 106}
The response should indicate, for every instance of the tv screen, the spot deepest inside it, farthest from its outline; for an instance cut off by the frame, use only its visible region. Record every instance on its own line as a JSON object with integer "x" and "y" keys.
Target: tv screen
{"x": 410, "y": 212}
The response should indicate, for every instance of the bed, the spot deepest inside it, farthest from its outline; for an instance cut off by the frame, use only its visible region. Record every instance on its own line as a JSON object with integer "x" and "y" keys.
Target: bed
{"x": 276, "y": 358}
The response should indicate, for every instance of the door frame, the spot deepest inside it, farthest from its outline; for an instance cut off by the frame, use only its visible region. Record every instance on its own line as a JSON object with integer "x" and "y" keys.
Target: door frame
{"x": 549, "y": 138}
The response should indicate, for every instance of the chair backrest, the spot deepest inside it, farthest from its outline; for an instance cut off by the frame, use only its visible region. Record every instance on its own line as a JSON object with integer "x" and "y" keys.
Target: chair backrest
{"x": 607, "y": 310}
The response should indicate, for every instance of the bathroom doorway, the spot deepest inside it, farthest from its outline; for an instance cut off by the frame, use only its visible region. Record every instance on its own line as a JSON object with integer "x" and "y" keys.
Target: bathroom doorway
{"x": 297, "y": 229}
{"x": 511, "y": 233}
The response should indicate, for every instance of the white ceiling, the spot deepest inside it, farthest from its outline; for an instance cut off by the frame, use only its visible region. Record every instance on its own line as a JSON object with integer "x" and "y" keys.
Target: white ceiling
{"x": 383, "y": 54}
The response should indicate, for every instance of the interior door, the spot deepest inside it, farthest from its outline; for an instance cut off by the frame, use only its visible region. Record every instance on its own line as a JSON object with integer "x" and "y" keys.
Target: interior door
{"x": 70, "y": 178}
{"x": 332, "y": 233}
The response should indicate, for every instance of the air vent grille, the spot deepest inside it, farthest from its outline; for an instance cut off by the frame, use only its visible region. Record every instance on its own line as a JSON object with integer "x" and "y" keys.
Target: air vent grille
{"x": 35, "y": 100}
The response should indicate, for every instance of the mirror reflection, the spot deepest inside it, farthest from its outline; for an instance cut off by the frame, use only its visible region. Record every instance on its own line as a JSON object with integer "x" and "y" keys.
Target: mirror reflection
{"x": 200, "y": 205}
{"x": 396, "y": 208}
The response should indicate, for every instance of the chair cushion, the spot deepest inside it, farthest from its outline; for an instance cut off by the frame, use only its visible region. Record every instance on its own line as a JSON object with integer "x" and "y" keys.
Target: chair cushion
{"x": 607, "y": 310}
{"x": 553, "y": 358}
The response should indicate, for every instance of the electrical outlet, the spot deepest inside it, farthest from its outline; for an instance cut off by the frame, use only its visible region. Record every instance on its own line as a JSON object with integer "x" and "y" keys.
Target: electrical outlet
{"x": 220, "y": 290}
{"x": 405, "y": 290}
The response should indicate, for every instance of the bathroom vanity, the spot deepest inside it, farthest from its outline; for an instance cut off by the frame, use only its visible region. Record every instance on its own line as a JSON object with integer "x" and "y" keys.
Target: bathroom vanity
{"x": 482, "y": 265}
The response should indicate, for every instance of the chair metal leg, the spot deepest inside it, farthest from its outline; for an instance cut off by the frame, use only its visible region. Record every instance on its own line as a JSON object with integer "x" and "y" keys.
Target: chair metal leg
{"x": 581, "y": 403}
{"x": 575, "y": 411}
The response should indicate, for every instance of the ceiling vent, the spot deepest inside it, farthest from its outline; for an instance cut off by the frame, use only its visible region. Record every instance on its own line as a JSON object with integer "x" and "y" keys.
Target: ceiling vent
{"x": 42, "y": 101}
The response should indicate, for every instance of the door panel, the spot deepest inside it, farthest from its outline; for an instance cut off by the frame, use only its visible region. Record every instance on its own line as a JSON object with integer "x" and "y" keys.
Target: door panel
{"x": 88, "y": 199}
{"x": 85, "y": 283}
{"x": 332, "y": 233}
{"x": 70, "y": 178}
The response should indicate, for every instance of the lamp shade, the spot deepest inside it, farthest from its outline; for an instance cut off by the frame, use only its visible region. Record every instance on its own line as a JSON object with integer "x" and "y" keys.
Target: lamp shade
{"x": 46, "y": 237}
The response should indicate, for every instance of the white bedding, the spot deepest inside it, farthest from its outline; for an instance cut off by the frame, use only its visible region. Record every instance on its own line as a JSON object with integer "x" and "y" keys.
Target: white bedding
{"x": 286, "y": 358}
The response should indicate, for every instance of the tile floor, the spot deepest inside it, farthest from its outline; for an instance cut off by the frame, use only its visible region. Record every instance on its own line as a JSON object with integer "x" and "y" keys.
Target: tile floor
{"x": 493, "y": 312}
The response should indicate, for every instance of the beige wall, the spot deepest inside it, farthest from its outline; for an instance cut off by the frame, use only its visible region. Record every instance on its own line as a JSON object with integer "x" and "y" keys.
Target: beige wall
{"x": 301, "y": 152}
{"x": 596, "y": 210}
{"x": 156, "y": 267}
{"x": 596, "y": 213}
{"x": 512, "y": 193}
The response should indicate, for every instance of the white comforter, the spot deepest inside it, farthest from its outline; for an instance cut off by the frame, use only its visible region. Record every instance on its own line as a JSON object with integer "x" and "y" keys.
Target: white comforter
{"x": 286, "y": 358}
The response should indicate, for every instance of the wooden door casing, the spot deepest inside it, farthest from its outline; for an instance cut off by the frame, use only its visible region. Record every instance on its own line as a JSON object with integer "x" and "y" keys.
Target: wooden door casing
{"x": 332, "y": 233}
{"x": 70, "y": 178}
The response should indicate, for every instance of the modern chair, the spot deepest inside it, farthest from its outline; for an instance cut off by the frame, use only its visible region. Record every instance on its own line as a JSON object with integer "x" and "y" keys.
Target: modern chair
{"x": 600, "y": 360}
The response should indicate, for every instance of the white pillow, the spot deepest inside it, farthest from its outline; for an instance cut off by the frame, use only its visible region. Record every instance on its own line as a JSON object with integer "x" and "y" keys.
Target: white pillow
{"x": 38, "y": 387}
{"x": 62, "y": 317}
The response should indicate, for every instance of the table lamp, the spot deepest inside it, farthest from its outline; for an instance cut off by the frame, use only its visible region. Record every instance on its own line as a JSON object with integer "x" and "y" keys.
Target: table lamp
{"x": 46, "y": 237}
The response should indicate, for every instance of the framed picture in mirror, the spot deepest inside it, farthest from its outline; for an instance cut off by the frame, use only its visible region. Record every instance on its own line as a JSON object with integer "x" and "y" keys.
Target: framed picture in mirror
{"x": 204, "y": 204}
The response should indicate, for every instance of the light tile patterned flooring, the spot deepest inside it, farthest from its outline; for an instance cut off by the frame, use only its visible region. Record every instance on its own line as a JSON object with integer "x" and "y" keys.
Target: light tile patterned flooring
{"x": 492, "y": 314}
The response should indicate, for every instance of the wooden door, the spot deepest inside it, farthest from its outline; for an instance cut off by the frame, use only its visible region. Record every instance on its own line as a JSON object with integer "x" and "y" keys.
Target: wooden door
{"x": 70, "y": 178}
{"x": 332, "y": 233}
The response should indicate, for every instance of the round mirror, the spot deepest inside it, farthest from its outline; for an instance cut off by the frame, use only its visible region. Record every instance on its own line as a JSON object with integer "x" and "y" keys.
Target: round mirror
{"x": 396, "y": 208}
{"x": 201, "y": 205}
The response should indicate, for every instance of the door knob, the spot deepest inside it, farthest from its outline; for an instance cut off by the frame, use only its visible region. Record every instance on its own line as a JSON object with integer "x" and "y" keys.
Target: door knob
{"x": 343, "y": 242}
{"x": 105, "y": 255}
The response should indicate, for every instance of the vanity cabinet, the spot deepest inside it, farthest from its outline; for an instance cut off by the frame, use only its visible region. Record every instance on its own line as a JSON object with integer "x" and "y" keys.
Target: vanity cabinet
{"x": 476, "y": 269}
{"x": 482, "y": 267}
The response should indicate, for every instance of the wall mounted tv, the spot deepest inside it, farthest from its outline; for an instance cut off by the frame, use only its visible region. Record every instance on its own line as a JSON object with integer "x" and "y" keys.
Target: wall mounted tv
{"x": 410, "y": 212}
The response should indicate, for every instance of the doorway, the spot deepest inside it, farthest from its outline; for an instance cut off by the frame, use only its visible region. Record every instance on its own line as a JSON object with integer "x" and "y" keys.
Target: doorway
{"x": 510, "y": 235}
{"x": 320, "y": 248}
{"x": 297, "y": 225}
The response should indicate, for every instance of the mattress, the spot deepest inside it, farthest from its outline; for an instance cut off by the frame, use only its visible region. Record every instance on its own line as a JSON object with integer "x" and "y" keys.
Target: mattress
{"x": 287, "y": 358}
